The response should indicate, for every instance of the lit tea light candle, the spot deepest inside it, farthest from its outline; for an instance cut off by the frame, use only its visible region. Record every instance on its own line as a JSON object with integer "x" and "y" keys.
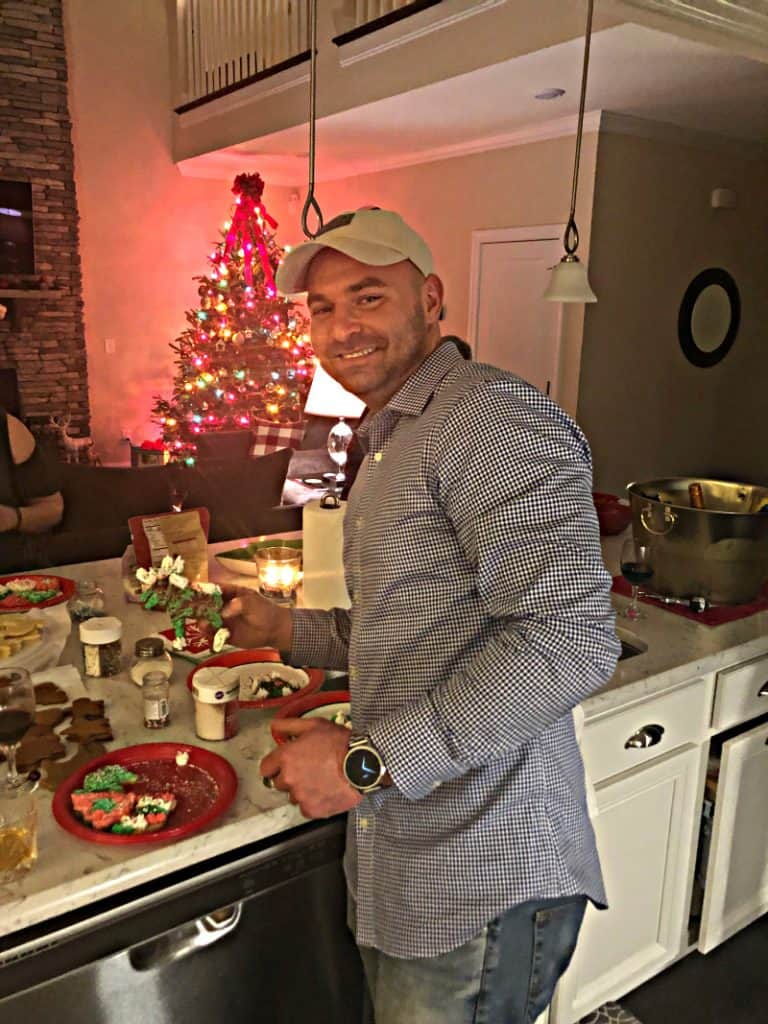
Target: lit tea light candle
{"x": 279, "y": 572}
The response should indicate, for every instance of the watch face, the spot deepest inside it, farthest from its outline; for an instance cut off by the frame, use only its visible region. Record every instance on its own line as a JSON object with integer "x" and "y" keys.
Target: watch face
{"x": 363, "y": 768}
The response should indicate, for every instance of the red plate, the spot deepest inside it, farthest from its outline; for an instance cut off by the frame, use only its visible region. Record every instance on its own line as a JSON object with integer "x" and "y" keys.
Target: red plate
{"x": 13, "y": 603}
{"x": 236, "y": 658}
{"x": 304, "y": 702}
{"x": 214, "y": 787}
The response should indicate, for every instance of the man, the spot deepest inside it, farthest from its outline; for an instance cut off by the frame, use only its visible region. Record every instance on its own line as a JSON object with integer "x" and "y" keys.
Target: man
{"x": 480, "y": 617}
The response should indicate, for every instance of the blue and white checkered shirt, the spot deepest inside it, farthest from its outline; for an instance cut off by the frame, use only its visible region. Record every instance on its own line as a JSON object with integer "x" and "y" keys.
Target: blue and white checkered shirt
{"x": 480, "y": 617}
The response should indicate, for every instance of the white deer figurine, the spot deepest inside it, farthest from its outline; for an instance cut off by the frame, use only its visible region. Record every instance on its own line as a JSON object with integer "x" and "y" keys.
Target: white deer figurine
{"x": 74, "y": 447}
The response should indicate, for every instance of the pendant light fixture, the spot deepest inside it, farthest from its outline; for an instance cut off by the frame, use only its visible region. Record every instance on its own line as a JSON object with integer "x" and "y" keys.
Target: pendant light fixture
{"x": 568, "y": 281}
{"x": 310, "y": 203}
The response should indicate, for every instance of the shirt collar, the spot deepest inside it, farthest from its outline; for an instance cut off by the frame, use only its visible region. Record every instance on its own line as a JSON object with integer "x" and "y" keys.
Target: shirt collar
{"x": 417, "y": 392}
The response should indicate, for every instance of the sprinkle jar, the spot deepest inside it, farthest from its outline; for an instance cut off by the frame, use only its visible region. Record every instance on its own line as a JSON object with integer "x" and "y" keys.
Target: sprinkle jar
{"x": 102, "y": 646}
{"x": 216, "y": 704}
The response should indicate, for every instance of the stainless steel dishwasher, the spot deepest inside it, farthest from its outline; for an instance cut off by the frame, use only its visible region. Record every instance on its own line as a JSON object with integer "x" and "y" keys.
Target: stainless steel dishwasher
{"x": 257, "y": 935}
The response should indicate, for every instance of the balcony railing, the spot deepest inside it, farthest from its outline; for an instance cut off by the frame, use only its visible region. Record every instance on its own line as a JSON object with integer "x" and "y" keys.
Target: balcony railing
{"x": 223, "y": 45}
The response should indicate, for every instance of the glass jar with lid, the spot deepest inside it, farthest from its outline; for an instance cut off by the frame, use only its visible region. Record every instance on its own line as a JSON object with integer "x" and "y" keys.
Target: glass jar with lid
{"x": 102, "y": 646}
{"x": 87, "y": 601}
{"x": 150, "y": 655}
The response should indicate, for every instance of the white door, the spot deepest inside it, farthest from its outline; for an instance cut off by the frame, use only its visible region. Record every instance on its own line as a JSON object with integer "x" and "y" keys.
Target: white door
{"x": 510, "y": 324}
{"x": 645, "y": 828}
{"x": 736, "y": 890}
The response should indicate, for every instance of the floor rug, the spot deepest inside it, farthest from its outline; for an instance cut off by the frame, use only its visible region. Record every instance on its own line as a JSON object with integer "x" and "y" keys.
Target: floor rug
{"x": 610, "y": 1013}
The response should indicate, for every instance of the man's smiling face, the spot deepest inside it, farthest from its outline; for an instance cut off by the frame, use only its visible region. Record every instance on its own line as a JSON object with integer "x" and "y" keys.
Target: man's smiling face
{"x": 371, "y": 326}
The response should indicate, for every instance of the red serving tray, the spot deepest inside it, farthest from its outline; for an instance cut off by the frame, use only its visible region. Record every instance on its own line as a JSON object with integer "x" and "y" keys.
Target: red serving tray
{"x": 221, "y": 794}
{"x": 233, "y": 659}
{"x": 13, "y": 603}
{"x": 303, "y": 702}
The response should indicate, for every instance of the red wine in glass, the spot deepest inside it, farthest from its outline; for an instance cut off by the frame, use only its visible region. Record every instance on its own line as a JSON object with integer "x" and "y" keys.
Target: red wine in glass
{"x": 636, "y": 568}
{"x": 17, "y": 706}
{"x": 13, "y": 725}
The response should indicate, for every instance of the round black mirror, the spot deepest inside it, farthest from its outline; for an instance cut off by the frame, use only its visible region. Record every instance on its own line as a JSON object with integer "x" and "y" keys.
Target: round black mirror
{"x": 709, "y": 317}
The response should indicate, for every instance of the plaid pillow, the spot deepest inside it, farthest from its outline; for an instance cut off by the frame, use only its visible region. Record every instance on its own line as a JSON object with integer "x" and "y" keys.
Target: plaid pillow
{"x": 271, "y": 437}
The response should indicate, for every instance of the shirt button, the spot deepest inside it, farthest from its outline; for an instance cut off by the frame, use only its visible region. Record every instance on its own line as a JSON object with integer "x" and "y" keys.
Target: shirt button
{"x": 378, "y": 456}
{"x": 364, "y": 823}
{"x": 353, "y": 671}
{"x": 359, "y": 522}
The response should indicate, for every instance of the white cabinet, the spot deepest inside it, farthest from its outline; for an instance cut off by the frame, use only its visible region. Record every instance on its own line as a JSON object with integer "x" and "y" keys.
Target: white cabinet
{"x": 736, "y": 891}
{"x": 646, "y": 761}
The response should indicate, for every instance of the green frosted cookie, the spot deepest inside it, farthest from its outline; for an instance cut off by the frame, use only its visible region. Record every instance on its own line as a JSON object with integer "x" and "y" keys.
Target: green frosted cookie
{"x": 110, "y": 777}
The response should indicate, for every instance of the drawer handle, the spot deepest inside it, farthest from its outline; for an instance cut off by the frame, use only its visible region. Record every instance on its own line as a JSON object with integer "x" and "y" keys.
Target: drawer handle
{"x": 763, "y": 691}
{"x": 648, "y": 736}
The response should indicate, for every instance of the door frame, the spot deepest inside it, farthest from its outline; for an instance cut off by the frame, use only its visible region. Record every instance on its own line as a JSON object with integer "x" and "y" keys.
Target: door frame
{"x": 485, "y": 236}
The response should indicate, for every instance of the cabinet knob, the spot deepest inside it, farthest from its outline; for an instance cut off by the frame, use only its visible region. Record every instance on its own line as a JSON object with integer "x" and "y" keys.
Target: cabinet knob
{"x": 648, "y": 736}
{"x": 763, "y": 691}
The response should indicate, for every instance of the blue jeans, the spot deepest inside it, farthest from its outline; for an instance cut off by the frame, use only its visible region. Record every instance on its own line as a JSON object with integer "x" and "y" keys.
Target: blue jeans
{"x": 505, "y": 975}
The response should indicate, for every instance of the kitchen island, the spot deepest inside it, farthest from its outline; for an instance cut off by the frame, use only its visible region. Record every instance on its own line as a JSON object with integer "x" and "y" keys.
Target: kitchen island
{"x": 76, "y": 884}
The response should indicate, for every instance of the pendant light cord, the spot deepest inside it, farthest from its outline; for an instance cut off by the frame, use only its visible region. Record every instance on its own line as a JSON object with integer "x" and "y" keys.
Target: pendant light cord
{"x": 571, "y": 240}
{"x": 310, "y": 203}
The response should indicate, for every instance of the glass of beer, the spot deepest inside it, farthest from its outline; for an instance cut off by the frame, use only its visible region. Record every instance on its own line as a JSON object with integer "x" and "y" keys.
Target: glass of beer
{"x": 18, "y": 830}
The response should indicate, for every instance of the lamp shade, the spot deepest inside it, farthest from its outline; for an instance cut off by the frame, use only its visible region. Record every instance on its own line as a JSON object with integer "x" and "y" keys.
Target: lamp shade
{"x": 328, "y": 398}
{"x": 568, "y": 282}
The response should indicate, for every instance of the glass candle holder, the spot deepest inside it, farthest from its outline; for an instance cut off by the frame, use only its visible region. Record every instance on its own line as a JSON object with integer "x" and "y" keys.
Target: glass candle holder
{"x": 279, "y": 573}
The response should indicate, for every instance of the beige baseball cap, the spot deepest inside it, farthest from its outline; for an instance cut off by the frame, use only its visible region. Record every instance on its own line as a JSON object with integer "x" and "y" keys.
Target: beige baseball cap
{"x": 370, "y": 235}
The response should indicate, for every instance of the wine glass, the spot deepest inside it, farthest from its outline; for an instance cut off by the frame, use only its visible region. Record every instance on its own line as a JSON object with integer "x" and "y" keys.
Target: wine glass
{"x": 636, "y": 568}
{"x": 17, "y": 707}
{"x": 339, "y": 439}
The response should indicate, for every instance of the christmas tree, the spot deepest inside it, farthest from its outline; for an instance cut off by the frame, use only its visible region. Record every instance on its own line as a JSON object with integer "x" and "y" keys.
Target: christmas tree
{"x": 245, "y": 355}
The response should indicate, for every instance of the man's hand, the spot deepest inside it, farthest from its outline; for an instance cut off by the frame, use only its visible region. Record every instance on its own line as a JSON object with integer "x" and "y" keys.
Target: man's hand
{"x": 253, "y": 621}
{"x": 309, "y": 766}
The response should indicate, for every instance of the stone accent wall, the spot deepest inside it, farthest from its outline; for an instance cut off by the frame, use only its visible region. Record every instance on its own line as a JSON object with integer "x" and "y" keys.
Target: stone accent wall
{"x": 44, "y": 341}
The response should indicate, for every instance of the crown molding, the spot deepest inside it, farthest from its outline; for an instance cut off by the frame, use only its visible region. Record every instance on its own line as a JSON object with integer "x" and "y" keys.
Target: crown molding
{"x": 662, "y": 131}
{"x": 737, "y": 18}
{"x": 223, "y": 163}
{"x": 416, "y": 27}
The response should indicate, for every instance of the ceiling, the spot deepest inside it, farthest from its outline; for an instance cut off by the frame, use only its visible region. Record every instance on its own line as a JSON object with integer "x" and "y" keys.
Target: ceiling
{"x": 634, "y": 70}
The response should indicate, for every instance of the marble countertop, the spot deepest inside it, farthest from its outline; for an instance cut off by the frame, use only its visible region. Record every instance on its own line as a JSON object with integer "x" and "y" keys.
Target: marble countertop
{"x": 72, "y": 873}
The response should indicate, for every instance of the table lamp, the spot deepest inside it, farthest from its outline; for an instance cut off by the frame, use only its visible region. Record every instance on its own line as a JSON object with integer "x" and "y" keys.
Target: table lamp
{"x": 328, "y": 398}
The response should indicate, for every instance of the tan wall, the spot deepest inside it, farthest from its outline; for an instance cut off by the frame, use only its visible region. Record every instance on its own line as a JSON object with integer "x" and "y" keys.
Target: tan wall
{"x": 144, "y": 228}
{"x": 648, "y": 411}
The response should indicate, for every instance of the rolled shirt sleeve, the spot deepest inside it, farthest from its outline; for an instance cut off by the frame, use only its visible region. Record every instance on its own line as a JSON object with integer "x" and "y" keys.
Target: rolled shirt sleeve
{"x": 320, "y": 638}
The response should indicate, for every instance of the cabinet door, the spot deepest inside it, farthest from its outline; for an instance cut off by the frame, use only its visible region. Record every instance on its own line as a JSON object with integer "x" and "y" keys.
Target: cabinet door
{"x": 646, "y": 830}
{"x": 736, "y": 890}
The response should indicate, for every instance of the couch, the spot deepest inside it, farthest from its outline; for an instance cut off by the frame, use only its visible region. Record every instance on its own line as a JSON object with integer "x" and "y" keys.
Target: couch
{"x": 242, "y": 496}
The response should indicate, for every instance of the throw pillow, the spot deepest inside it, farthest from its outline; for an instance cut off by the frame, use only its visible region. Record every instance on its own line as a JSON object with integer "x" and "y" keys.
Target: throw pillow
{"x": 271, "y": 437}
{"x": 224, "y": 444}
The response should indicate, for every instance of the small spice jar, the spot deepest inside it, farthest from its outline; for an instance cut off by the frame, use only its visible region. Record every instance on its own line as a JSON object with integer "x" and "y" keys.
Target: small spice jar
{"x": 102, "y": 647}
{"x": 216, "y": 703}
{"x": 87, "y": 602}
{"x": 150, "y": 655}
{"x": 155, "y": 698}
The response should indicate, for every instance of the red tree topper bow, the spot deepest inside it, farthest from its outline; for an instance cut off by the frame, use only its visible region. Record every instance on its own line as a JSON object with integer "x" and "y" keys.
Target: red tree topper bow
{"x": 245, "y": 230}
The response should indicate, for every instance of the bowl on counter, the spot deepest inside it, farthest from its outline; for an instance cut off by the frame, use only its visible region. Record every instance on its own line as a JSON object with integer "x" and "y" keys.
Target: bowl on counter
{"x": 614, "y": 514}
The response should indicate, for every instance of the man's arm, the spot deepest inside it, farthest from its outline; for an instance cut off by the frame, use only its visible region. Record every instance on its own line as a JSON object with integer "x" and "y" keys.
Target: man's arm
{"x": 520, "y": 500}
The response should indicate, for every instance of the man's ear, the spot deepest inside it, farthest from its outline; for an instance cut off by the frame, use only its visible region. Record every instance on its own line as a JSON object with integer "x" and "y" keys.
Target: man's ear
{"x": 433, "y": 298}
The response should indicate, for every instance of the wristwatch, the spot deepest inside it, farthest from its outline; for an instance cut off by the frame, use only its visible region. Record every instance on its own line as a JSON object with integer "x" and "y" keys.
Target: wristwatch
{"x": 363, "y": 765}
